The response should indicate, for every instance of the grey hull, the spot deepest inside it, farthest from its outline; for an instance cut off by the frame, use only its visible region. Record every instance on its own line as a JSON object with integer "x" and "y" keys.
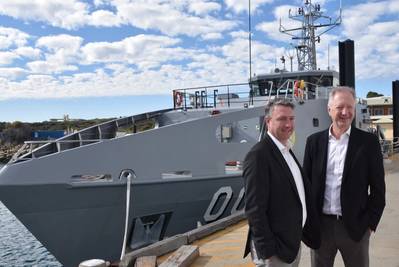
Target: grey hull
{"x": 90, "y": 221}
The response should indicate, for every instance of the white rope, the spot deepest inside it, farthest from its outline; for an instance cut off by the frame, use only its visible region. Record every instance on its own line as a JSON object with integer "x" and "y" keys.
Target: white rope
{"x": 128, "y": 184}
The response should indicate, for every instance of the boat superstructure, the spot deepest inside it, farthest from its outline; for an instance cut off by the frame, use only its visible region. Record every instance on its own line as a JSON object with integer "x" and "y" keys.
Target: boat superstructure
{"x": 71, "y": 193}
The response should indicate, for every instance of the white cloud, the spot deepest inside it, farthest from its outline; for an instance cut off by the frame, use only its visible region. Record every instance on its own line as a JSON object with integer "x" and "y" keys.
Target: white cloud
{"x": 119, "y": 78}
{"x": 12, "y": 73}
{"x": 7, "y": 57}
{"x": 212, "y": 36}
{"x": 168, "y": 19}
{"x": 203, "y": 8}
{"x": 239, "y": 34}
{"x": 104, "y": 18}
{"x": 65, "y": 14}
{"x": 171, "y": 17}
{"x": 63, "y": 41}
{"x": 242, "y": 5}
{"x": 386, "y": 27}
{"x": 28, "y": 52}
{"x": 393, "y": 6}
{"x": 376, "y": 37}
{"x": 117, "y": 67}
{"x": 357, "y": 18}
{"x": 100, "y": 2}
{"x": 66, "y": 65}
{"x": 49, "y": 67}
{"x": 144, "y": 51}
{"x": 10, "y": 37}
{"x": 34, "y": 86}
{"x": 61, "y": 53}
{"x": 104, "y": 52}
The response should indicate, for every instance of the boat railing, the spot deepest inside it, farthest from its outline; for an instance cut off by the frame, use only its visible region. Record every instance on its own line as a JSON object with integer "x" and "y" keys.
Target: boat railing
{"x": 241, "y": 93}
{"x": 94, "y": 134}
{"x": 389, "y": 146}
{"x": 211, "y": 96}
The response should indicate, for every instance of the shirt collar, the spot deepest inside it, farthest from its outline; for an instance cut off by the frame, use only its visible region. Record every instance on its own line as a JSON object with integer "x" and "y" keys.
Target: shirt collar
{"x": 347, "y": 133}
{"x": 280, "y": 145}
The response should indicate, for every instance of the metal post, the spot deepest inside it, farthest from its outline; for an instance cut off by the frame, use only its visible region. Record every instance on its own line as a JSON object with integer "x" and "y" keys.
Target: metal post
{"x": 174, "y": 99}
{"x": 347, "y": 63}
{"x": 249, "y": 39}
{"x": 215, "y": 93}
{"x": 196, "y": 98}
{"x": 202, "y": 98}
{"x": 185, "y": 101}
{"x": 228, "y": 96}
{"x": 395, "y": 108}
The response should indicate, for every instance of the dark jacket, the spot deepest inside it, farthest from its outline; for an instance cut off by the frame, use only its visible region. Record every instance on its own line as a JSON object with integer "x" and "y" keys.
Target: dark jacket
{"x": 363, "y": 185}
{"x": 272, "y": 204}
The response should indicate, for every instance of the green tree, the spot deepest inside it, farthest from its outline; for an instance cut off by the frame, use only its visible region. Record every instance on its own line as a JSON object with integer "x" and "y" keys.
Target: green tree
{"x": 373, "y": 94}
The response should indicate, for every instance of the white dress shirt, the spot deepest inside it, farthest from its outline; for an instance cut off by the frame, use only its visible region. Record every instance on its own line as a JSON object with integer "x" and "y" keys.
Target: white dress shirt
{"x": 295, "y": 171}
{"x": 335, "y": 167}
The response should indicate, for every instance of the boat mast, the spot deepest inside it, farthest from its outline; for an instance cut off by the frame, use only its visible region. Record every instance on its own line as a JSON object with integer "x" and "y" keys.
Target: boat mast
{"x": 308, "y": 15}
{"x": 249, "y": 39}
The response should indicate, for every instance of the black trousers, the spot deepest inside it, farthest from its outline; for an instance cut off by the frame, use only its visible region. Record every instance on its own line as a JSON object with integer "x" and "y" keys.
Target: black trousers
{"x": 334, "y": 237}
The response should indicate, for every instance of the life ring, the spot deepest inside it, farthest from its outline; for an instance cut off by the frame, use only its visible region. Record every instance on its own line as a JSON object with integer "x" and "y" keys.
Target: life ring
{"x": 178, "y": 98}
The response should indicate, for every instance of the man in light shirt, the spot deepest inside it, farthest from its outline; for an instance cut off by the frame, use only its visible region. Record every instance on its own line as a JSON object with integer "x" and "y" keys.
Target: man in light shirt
{"x": 276, "y": 193}
{"x": 345, "y": 167}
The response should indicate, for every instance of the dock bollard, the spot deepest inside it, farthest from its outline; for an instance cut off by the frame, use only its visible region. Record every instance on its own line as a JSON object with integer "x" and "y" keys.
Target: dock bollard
{"x": 94, "y": 263}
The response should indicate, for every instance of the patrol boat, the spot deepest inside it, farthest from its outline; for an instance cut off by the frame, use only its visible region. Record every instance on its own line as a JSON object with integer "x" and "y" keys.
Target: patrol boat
{"x": 110, "y": 188}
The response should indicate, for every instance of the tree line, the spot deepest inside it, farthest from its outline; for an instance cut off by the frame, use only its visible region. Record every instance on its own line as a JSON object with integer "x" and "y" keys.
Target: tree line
{"x": 18, "y": 132}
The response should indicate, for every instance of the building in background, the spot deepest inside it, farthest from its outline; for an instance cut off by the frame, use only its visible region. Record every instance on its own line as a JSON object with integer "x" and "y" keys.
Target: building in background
{"x": 47, "y": 135}
{"x": 381, "y": 110}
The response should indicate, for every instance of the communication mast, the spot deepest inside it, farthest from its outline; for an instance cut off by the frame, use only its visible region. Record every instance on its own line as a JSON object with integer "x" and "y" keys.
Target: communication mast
{"x": 309, "y": 15}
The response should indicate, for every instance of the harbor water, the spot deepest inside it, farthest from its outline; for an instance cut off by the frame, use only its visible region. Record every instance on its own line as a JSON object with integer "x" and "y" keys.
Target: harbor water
{"x": 18, "y": 247}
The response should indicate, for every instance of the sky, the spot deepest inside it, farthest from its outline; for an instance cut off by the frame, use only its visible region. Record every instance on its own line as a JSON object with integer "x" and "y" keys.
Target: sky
{"x": 111, "y": 58}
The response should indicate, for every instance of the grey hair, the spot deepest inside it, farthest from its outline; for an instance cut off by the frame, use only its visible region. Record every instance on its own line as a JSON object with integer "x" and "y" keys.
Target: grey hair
{"x": 340, "y": 89}
{"x": 277, "y": 102}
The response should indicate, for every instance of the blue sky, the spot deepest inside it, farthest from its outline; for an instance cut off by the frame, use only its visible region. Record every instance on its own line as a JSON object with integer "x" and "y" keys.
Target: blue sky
{"x": 110, "y": 58}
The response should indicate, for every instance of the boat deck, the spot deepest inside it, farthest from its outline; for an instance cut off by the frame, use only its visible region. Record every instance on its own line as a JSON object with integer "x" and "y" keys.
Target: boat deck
{"x": 226, "y": 247}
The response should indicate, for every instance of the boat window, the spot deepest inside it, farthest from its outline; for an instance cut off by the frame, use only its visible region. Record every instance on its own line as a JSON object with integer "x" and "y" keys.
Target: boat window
{"x": 326, "y": 81}
{"x": 315, "y": 122}
{"x": 79, "y": 178}
{"x": 176, "y": 174}
{"x": 226, "y": 96}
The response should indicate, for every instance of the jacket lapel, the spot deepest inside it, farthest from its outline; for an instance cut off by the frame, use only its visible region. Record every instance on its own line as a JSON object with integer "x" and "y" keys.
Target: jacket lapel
{"x": 323, "y": 146}
{"x": 305, "y": 180}
{"x": 324, "y": 153}
{"x": 350, "y": 152}
{"x": 283, "y": 164}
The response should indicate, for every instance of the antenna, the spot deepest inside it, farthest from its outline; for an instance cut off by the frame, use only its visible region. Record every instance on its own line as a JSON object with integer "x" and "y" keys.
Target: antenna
{"x": 308, "y": 15}
{"x": 249, "y": 39}
{"x": 283, "y": 61}
{"x": 290, "y": 54}
{"x": 328, "y": 57}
